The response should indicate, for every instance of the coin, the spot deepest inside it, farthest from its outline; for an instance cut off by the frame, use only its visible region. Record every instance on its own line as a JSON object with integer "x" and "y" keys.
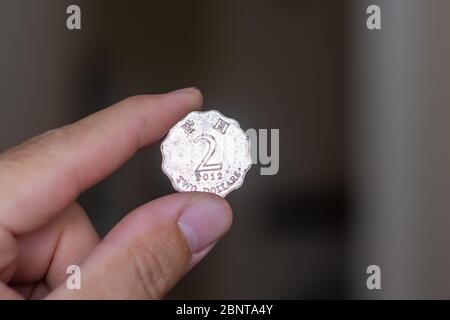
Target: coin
{"x": 206, "y": 152}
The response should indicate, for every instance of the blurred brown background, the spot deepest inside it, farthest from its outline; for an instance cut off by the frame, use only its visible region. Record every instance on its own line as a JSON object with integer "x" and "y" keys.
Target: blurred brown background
{"x": 353, "y": 187}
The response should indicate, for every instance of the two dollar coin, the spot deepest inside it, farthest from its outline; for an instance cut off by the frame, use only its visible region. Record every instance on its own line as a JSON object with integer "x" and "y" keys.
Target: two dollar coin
{"x": 206, "y": 152}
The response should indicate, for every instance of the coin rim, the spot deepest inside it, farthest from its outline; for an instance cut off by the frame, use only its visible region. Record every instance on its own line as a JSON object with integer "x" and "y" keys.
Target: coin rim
{"x": 244, "y": 171}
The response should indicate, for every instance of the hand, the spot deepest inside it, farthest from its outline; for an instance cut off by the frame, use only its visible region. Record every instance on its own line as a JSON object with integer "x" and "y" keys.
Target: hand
{"x": 43, "y": 230}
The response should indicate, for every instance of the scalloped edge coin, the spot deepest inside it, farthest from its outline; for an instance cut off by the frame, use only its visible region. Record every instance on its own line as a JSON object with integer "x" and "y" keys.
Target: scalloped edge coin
{"x": 207, "y": 152}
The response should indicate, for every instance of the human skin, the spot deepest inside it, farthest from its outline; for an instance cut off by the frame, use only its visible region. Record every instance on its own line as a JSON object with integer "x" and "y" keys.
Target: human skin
{"x": 43, "y": 230}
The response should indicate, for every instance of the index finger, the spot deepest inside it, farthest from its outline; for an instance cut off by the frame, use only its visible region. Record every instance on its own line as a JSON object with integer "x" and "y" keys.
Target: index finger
{"x": 42, "y": 176}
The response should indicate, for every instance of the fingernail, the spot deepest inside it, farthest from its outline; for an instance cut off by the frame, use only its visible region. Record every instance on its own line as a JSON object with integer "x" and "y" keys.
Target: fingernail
{"x": 192, "y": 93}
{"x": 204, "y": 221}
{"x": 184, "y": 90}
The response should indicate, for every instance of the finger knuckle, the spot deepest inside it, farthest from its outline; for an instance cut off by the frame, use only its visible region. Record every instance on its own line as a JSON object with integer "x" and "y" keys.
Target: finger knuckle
{"x": 38, "y": 148}
{"x": 46, "y": 143}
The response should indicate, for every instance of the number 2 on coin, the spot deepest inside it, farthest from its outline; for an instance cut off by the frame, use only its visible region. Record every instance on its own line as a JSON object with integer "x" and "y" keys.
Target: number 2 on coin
{"x": 204, "y": 164}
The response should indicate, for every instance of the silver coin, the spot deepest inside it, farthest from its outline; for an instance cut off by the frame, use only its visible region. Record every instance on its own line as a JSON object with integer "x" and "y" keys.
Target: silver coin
{"x": 206, "y": 152}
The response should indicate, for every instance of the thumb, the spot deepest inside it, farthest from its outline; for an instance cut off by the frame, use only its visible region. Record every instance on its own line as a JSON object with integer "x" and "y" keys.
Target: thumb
{"x": 152, "y": 248}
